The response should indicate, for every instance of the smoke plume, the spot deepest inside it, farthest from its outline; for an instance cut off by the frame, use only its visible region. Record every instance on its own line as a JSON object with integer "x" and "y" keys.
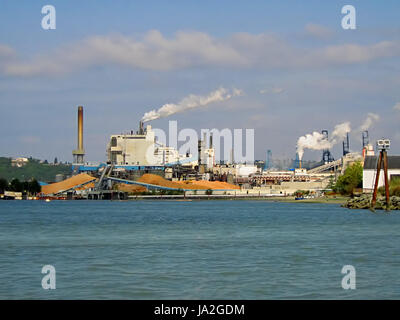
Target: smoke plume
{"x": 191, "y": 102}
{"x": 317, "y": 141}
{"x": 369, "y": 121}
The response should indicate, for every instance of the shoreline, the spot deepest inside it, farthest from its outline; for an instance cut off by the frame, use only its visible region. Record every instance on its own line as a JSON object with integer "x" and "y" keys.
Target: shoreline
{"x": 288, "y": 199}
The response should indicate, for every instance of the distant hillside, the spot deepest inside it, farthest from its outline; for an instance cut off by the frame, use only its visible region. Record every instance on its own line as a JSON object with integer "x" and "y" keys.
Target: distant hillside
{"x": 33, "y": 169}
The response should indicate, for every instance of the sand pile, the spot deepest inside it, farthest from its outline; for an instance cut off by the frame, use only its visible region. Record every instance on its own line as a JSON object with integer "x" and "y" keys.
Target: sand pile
{"x": 86, "y": 186}
{"x": 130, "y": 188}
{"x": 194, "y": 185}
{"x": 160, "y": 181}
{"x": 215, "y": 184}
{"x": 67, "y": 184}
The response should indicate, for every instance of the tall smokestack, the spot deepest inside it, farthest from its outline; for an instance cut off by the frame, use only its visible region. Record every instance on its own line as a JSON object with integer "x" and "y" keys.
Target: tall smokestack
{"x": 79, "y": 152}
{"x": 199, "y": 150}
{"x": 141, "y": 127}
{"x": 80, "y": 128}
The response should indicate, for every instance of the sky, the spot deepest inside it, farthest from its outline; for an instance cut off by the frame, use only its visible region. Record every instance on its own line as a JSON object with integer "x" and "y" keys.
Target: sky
{"x": 298, "y": 69}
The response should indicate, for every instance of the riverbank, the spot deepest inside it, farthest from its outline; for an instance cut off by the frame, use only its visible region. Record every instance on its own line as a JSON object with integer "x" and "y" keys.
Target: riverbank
{"x": 287, "y": 199}
{"x": 364, "y": 202}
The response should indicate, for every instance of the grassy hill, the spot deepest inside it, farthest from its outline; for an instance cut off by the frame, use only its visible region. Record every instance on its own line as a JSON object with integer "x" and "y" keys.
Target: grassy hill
{"x": 33, "y": 169}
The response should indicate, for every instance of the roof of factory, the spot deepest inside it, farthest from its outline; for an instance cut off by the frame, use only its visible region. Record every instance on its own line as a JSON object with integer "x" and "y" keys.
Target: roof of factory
{"x": 371, "y": 162}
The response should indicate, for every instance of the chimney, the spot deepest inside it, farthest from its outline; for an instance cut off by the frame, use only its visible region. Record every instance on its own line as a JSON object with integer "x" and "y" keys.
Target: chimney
{"x": 80, "y": 128}
{"x": 79, "y": 153}
{"x": 199, "y": 150}
{"x": 141, "y": 127}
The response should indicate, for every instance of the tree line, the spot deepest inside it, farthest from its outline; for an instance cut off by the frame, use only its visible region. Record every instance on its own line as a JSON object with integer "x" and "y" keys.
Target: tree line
{"x": 31, "y": 187}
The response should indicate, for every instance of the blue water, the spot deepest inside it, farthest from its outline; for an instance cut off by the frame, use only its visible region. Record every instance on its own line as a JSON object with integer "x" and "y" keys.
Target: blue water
{"x": 196, "y": 250}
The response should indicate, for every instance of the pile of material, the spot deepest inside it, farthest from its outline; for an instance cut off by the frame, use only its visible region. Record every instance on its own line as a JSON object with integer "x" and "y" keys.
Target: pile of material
{"x": 79, "y": 181}
{"x": 364, "y": 202}
{"x": 130, "y": 188}
{"x": 215, "y": 185}
{"x": 193, "y": 185}
{"x": 160, "y": 181}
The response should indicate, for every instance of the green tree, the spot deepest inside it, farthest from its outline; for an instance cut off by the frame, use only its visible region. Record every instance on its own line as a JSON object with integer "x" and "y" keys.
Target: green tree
{"x": 3, "y": 185}
{"x": 16, "y": 185}
{"x": 351, "y": 179}
{"x": 34, "y": 187}
{"x": 331, "y": 184}
{"x": 394, "y": 187}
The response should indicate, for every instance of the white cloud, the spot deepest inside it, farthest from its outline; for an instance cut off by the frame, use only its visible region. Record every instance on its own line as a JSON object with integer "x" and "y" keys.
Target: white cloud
{"x": 194, "y": 49}
{"x": 397, "y": 106}
{"x": 6, "y": 51}
{"x": 318, "y": 31}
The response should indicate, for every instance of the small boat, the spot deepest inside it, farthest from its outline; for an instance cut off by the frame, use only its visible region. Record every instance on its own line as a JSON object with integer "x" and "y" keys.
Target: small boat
{"x": 47, "y": 200}
{"x": 299, "y": 198}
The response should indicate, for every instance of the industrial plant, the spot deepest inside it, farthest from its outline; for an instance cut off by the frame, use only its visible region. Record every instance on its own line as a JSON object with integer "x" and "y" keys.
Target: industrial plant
{"x": 139, "y": 164}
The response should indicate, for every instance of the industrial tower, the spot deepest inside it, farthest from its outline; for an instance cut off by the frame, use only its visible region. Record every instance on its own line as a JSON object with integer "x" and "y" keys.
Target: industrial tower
{"x": 79, "y": 153}
{"x": 346, "y": 145}
{"x": 326, "y": 153}
{"x": 365, "y": 138}
{"x": 267, "y": 164}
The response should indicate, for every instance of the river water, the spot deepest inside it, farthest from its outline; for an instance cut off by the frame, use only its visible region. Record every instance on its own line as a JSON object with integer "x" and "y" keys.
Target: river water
{"x": 217, "y": 249}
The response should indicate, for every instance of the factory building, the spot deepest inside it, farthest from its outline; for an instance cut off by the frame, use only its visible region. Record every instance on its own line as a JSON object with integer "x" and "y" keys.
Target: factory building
{"x": 369, "y": 172}
{"x": 141, "y": 149}
{"x": 206, "y": 156}
{"x": 133, "y": 149}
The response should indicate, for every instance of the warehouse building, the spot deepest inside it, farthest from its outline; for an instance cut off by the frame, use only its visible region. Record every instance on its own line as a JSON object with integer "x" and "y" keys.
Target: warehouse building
{"x": 369, "y": 172}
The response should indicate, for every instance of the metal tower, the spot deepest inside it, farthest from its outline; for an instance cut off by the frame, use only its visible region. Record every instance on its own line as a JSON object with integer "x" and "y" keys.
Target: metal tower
{"x": 267, "y": 164}
{"x": 365, "y": 138}
{"x": 346, "y": 145}
{"x": 326, "y": 154}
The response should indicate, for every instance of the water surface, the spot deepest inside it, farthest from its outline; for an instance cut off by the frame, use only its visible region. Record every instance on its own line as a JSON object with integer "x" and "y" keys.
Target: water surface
{"x": 196, "y": 250}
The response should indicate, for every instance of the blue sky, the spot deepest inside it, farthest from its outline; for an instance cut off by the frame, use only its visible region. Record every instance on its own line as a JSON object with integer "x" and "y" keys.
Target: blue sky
{"x": 120, "y": 59}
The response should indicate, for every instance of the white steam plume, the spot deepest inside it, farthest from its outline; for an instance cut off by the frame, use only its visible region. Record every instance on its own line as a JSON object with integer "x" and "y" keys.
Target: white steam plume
{"x": 369, "y": 121}
{"x": 317, "y": 141}
{"x": 190, "y": 102}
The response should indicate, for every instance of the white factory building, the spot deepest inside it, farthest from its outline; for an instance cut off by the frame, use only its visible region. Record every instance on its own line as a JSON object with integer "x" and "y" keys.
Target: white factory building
{"x": 369, "y": 172}
{"x": 140, "y": 149}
